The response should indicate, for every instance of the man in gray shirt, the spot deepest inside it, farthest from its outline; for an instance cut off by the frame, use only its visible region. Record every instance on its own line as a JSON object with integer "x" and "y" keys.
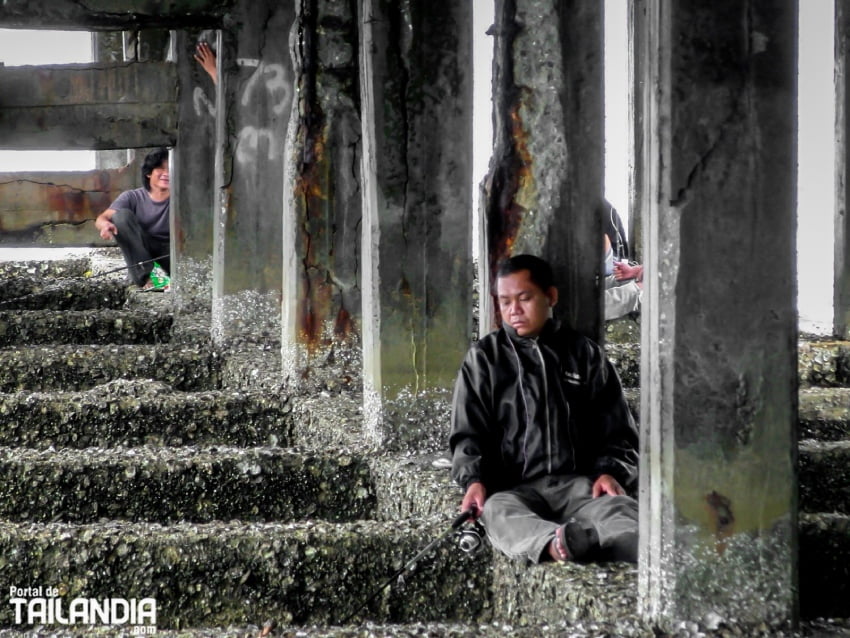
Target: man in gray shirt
{"x": 138, "y": 221}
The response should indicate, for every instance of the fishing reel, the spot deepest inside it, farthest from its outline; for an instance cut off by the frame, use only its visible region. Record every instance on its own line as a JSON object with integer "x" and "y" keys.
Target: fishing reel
{"x": 470, "y": 538}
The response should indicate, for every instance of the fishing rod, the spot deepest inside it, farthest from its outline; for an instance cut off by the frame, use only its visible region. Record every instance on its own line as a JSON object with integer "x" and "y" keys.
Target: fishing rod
{"x": 456, "y": 524}
{"x": 55, "y": 287}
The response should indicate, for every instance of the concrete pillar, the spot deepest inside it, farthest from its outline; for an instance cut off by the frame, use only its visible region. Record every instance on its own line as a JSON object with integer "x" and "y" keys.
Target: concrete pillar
{"x": 417, "y": 210}
{"x": 322, "y": 200}
{"x": 193, "y": 175}
{"x": 639, "y": 55}
{"x": 718, "y": 535}
{"x": 547, "y": 174}
{"x": 841, "y": 289}
{"x": 108, "y": 46}
{"x": 254, "y": 98}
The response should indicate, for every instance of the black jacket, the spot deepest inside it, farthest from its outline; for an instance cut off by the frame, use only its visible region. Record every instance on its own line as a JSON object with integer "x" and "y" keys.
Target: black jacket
{"x": 525, "y": 408}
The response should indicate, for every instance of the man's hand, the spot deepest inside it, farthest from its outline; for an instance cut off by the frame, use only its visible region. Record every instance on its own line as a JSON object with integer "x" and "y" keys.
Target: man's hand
{"x": 606, "y": 484}
{"x": 623, "y": 271}
{"x": 474, "y": 498}
{"x": 107, "y": 229}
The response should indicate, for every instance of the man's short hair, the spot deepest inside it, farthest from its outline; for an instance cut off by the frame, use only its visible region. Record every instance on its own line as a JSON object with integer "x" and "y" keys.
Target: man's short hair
{"x": 153, "y": 160}
{"x": 539, "y": 270}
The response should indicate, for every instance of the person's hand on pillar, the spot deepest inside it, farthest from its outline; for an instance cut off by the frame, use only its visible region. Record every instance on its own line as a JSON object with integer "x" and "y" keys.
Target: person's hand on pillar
{"x": 474, "y": 499}
{"x": 606, "y": 484}
{"x": 206, "y": 58}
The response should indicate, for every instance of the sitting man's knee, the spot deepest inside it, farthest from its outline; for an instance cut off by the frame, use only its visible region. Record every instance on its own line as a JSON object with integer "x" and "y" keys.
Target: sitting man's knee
{"x": 122, "y": 218}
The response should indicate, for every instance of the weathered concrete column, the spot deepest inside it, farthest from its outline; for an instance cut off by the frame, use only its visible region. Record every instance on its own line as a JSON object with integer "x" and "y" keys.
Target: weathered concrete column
{"x": 718, "y": 536}
{"x": 193, "y": 175}
{"x": 841, "y": 289}
{"x": 254, "y": 99}
{"x": 547, "y": 172}
{"x": 321, "y": 301}
{"x": 639, "y": 159}
{"x": 108, "y": 46}
{"x": 417, "y": 169}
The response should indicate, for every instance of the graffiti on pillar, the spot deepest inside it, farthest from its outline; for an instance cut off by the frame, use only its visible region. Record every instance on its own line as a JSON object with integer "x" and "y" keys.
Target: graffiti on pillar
{"x": 267, "y": 82}
{"x": 203, "y": 104}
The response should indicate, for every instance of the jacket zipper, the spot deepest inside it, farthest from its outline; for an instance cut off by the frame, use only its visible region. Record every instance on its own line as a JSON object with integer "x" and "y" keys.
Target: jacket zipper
{"x": 546, "y": 412}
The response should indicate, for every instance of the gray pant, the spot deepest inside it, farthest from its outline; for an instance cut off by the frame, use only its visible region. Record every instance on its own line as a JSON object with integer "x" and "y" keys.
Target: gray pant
{"x": 521, "y": 522}
{"x": 138, "y": 246}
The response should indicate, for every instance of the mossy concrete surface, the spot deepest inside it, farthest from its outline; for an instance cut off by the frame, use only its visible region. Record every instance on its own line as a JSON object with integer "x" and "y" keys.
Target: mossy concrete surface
{"x": 182, "y": 484}
{"x": 84, "y": 327}
{"x": 225, "y": 573}
{"x": 143, "y": 412}
{"x": 35, "y": 293}
{"x": 76, "y": 367}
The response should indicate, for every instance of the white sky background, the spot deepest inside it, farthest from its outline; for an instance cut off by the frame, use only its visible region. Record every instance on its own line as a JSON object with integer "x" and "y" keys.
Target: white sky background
{"x": 816, "y": 129}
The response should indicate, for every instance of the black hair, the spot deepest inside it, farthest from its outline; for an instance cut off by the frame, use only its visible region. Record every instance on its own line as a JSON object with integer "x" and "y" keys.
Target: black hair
{"x": 539, "y": 270}
{"x": 153, "y": 160}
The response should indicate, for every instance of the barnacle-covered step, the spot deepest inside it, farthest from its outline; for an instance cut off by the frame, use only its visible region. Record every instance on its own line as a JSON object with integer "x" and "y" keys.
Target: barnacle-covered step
{"x": 824, "y": 413}
{"x": 73, "y": 293}
{"x": 35, "y": 327}
{"x": 554, "y": 593}
{"x": 79, "y": 367}
{"x": 820, "y": 363}
{"x": 198, "y": 484}
{"x": 824, "y": 471}
{"x": 824, "y": 565}
{"x": 571, "y": 592}
{"x": 132, "y": 412}
{"x": 70, "y": 266}
{"x": 220, "y": 574}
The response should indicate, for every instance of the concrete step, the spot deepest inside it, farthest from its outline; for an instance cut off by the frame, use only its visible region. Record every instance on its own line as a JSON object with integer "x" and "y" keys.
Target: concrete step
{"x": 71, "y": 266}
{"x": 820, "y": 363}
{"x": 182, "y": 484}
{"x": 104, "y": 326}
{"x": 220, "y": 574}
{"x": 824, "y": 475}
{"x": 824, "y": 565}
{"x": 36, "y": 293}
{"x": 80, "y": 367}
{"x": 144, "y": 412}
{"x": 824, "y": 413}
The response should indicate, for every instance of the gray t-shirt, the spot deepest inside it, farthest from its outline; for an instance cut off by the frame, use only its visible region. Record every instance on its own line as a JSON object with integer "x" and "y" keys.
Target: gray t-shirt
{"x": 152, "y": 216}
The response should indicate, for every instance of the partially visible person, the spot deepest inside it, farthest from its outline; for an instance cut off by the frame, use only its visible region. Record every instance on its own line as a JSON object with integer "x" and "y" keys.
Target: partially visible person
{"x": 623, "y": 285}
{"x": 205, "y": 56}
{"x": 138, "y": 221}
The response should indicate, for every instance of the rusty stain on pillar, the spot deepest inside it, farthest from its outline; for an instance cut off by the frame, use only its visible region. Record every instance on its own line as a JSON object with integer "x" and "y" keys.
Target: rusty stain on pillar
{"x": 718, "y": 486}
{"x": 546, "y": 175}
{"x": 193, "y": 175}
{"x": 253, "y": 101}
{"x": 841, "y": 287}
{"x": 417, "y": 210}
{"x": 321, "y": 304}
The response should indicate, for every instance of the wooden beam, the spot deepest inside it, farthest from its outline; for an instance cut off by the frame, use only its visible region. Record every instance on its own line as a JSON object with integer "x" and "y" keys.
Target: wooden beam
{"x": 94, "y": 15}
